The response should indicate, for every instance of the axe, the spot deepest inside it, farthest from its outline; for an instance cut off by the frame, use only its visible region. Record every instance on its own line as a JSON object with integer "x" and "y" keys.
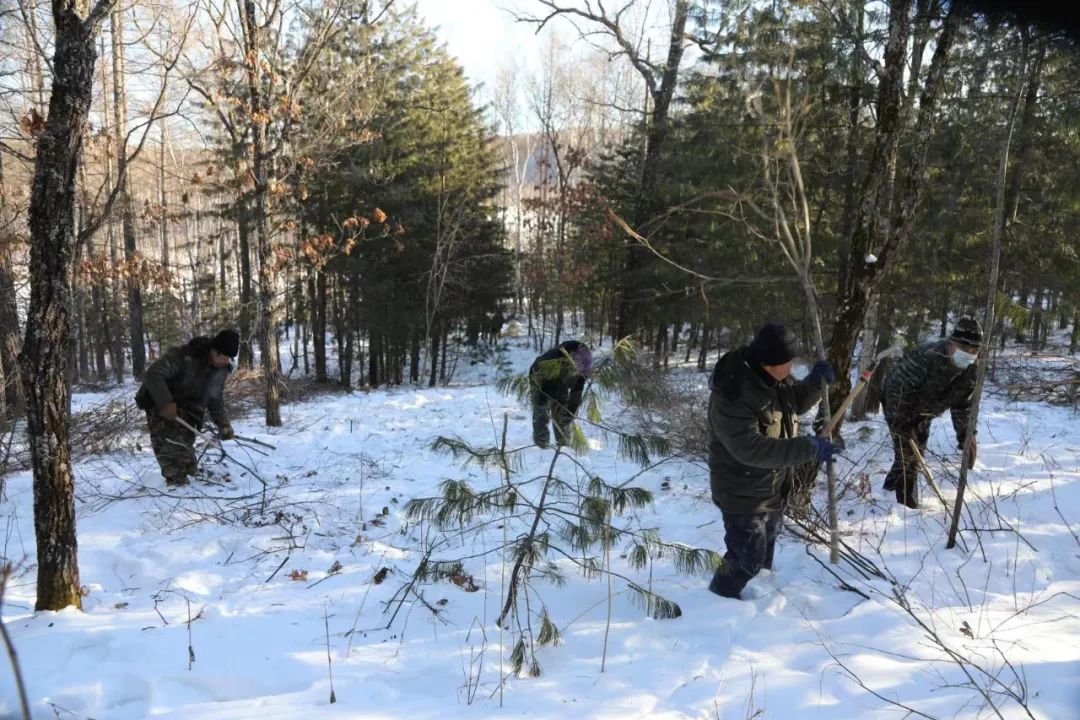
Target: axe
{"x": 216, "y": 441}
{"x": 864, "y": 380}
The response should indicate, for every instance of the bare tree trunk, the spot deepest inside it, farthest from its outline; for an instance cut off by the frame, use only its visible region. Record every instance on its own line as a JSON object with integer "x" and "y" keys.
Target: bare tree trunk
{"x": 44, "y": 354}
{"x": 703, "y": 354}
{"x": 75, "y": 341}
{"x": 134, "y": 289}
{"x": 261, "y": 163}
{"x": 9, "y": 338}
{"x": 445, "y": 345}
{"x": 35, "y": 65}
{"x": 243, "y": 230}
{"x": 163, "y": 199}
{"x": 854, "y": 107}
{"x": 866, "y": 357}
{"x": 318, "y": 325}
{"x": 111, "y": 325}
{"x": 414, "y": 355}
{"x": 97, "y": 303}
{"x": 9, "y": 322}
{"x": 877, "y": 229}
{"x": 435, "y": 336}
{"x": 220, "y": 297}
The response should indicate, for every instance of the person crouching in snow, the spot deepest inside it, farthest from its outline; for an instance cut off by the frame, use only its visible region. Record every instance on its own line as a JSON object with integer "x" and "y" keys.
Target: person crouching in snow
{"x": 184, "y": 383}
{"x": 558, "y": 381}
{"x": 926, "y": 381}
{"x": 754, "y": 447}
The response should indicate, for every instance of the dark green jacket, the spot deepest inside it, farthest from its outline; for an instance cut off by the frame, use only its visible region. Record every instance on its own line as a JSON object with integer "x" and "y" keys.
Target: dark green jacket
{"x": 184, "y": 375}
{"x": 753, "y": 442}
{"x": 925, "y": 383}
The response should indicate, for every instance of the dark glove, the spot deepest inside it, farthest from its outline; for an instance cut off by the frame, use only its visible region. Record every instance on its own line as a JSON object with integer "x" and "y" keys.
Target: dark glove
{"x": 822, "y": 370}
{"x": 226, "y": 432}
{"x": 169, "y": 411}
{"x": 826, "y": 451}
{"x": 969, "y": 458}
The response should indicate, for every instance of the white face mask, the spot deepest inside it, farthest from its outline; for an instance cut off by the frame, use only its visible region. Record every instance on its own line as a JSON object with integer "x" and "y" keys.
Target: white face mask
{"x": 963, "y": 359}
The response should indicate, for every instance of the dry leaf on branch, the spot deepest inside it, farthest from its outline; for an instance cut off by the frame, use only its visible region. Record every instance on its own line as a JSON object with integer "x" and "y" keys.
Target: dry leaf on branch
{"x": 465, "y": 582}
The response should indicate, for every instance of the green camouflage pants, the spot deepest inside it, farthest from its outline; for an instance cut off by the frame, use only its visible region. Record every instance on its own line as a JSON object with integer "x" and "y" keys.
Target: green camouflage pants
{"x": 548, "y": 410}
{"x": 174, "y": 447}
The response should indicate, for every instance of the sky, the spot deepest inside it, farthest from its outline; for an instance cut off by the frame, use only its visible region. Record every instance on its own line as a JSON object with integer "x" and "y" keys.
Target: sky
{"x": 483, "y": 35}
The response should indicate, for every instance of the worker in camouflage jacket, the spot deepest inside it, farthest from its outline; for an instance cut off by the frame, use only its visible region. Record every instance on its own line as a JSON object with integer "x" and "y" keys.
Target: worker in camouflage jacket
{"x": 928, "y": 380}
{"x": 184, "y": 383}
{"x": 754, "y": 447}
{"x": 558, "y": 382}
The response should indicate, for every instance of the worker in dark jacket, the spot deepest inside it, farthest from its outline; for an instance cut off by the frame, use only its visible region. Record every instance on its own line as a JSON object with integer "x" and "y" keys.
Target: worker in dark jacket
{"x": 558, "y": 381}
{"x": 184, "y": 383}
{"x": 930, "y": 379}
{"x": 754, "y": 447}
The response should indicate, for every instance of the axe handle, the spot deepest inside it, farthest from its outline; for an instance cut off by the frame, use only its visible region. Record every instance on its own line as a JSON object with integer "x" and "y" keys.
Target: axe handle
{"x": 921, "y": 462}
{"x": 184, "y": 423}
{"x": 835, "y": 419}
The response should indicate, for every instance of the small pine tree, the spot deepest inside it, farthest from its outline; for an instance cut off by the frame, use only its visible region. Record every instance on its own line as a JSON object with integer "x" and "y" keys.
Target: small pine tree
{"x": 559, "y": 523}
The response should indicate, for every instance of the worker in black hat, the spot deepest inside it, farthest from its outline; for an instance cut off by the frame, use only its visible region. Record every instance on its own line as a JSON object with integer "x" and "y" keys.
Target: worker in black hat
{"x": 754, "y": 447}
{"x": 928, "y": 380}
{"x": 183, "y": 384}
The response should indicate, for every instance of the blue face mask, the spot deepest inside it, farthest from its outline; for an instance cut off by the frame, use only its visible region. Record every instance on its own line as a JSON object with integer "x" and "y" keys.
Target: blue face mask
{"x": 963, "y": 359}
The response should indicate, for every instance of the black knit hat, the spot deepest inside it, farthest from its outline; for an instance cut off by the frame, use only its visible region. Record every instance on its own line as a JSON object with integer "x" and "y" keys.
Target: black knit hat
{"x": 774, "y": 344}
{"x": 967, "y": 332}
{"x": 226, "y": 342}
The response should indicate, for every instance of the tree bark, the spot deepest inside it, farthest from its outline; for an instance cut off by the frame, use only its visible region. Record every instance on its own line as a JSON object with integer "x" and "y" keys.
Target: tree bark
{"x": 261, "y": 166}
{"x": 44, "y": 354}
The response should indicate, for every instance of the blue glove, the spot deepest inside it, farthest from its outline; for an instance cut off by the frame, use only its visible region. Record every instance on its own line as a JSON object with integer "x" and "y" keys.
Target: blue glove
{"x": 822, "y": 370}
{"x": 826, "y": 451}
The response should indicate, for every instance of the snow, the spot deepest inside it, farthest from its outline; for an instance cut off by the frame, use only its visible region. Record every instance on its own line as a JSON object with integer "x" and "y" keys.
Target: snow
{"x": 149, "y": 557}
{"x": 870, "y": 259}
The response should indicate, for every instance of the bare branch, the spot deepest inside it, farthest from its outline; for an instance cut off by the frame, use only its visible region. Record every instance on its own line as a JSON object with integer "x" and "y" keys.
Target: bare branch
{"x": 612, "y": 28}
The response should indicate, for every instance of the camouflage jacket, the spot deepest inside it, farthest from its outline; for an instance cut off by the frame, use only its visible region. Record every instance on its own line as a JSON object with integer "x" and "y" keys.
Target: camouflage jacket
{"x": 925, "y": 383}
{"x": 184, "y": 375}
{"x": 554, "y": 379}
{"x": 753, "y": 435}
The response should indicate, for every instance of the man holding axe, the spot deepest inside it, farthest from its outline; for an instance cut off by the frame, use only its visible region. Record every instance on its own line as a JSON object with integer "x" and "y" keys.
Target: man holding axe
{"x": 177, "y": 391}
{"x": 929, "y": 379}
{"x": 754, "y": 447}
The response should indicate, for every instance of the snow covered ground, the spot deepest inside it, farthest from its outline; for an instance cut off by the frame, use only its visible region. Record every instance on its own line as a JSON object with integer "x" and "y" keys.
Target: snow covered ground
{"x": 258, "y": 591}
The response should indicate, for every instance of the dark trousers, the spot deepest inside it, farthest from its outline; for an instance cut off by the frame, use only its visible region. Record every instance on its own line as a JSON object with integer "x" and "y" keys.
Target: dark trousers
{"x": 903, "y": 477}
{"x": 750, "y": 540}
